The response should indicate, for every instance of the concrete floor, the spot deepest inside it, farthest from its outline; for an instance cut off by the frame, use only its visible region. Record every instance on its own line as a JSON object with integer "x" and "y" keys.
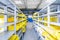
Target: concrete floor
{"x": 30, "y": 33}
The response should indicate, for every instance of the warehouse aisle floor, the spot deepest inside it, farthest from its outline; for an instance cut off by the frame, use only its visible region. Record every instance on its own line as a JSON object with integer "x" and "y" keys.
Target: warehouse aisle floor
{"x": 30, "y": 33}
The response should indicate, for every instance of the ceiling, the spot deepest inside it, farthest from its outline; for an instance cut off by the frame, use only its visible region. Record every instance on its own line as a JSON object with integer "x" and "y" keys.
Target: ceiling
{"x": 34, "y": 4}
{"x": 31, "y": 4}
{"x": 28, "y": 4}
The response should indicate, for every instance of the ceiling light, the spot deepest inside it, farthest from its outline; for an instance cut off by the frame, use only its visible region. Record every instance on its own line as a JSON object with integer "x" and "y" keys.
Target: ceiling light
{"x": 49, "y": 1}
{"x": 18, "y": 2}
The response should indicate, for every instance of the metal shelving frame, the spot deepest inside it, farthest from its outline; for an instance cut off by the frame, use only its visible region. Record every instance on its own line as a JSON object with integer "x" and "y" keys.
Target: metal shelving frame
{"x": 48, "y": 14}
{"x": 5, "y": 4}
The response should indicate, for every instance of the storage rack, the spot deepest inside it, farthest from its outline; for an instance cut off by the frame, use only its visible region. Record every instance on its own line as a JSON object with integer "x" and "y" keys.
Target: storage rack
{"x": 8, "y": 8}
{"x": 48, "y": 19}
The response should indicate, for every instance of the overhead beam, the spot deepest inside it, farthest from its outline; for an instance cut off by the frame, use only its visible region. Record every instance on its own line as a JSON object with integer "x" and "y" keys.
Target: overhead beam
{"x": 25, "y": 3}
{"x": 39, "y": 4}
{"x": 2, "y": 4}
{"x": 56, "y": 4}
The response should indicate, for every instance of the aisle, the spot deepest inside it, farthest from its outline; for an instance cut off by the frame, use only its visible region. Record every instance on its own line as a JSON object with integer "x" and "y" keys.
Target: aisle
{"x": 30, "y": 33}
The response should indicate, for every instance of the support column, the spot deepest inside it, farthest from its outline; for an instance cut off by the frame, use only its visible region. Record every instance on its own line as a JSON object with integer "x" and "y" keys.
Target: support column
{"x": 15, "y": 19}
{"x": 48, "y": 12}
{"x": 5, "y": 18}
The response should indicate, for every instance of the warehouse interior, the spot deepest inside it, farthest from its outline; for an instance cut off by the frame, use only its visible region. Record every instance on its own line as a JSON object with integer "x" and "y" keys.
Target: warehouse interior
{"x": 29, "y": 19}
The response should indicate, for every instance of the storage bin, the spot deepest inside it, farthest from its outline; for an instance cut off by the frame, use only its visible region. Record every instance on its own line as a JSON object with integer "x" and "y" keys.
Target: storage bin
{"x": 55, "y": 27}
{"x": 50, "y": 37}
{"x": 18, "y": 26}
{"x": 14, "y": 37}
{"x": 17, "y": 38}
{"x": 50, "y": 31}
{"x": 46, "y": 38}
{"x": 44, "y": 33}
{"x": 53, "y": 19}
{"x": 45, "y": 24}
{"x": 58, "y": 35}
{"x": 45, "y": 18}
{"x": 23, "y": 29}
{"x": 40, "y": 19}
{"x": 1, "y": 20}
{"x": 47, "y": 34}
{"x": 10, "y": 28}
{"x": 11, "y": 19}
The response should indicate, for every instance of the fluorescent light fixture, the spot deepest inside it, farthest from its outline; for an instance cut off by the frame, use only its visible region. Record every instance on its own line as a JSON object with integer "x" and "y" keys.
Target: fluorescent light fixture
{"x": 49, "y": 1}
{"x": 18, "y": 2}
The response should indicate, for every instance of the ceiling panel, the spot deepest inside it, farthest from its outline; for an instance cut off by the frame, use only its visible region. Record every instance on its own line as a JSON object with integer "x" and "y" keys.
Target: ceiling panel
{"x": 20, "y": 3}
{"x": 21, "y": 6}
{"x": 30, "y": 4}
{"x": 45, "y": 3}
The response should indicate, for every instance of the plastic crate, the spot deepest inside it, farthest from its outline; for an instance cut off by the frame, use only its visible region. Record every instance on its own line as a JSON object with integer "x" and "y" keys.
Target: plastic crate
{"x": 14, "y": 37}
{"x": 45, "y": 24}
{"x": 53, "y": 19}
{"x": 11, "y": 19}
{"x": 45, "y": 18}
{"x": 55, "y": 27}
